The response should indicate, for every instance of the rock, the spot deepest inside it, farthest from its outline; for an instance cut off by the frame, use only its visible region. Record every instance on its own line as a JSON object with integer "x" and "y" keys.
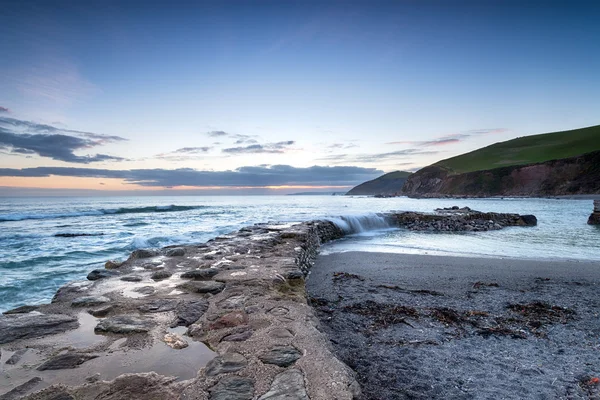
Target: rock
{"x": 102, "y": 311}
{"x": 295, "y": 274}
{"x": 190, "y": 312}
{"x": 281, "y": 333}
{"x": 24, "y": 326}
{"x": 230, "y": 320}
{"x": 142, "y": 253}
{"x": 232, "y": 388}
{"x": 529, "y": 220}
{"x": 71, "y": 288}
{"x": 159, "y": 305}
{"x": 203, "y": 287}
{"x": 89, "y": 301}
{"x": 200, "y": 274}
{"x": 160, "y": 275}
{"x": 132, "y": 278}
{"x": 175, "y": 341}
{"x": 21, "y": 310}
{"x": 283, "y": 356}
{"x": 233, "y": 302}
{"x": 124, "y": 324}
{"x": 176, "y": 252}
{"x": 93, "y": 378}
{"x": 21, "y": 390}
{"x": 111, "y": 264}
{"x": 16, "y": 357}
{"x": 101, "y": 274}
{"x": 594, "y": 219}
{"x": 66, "y": 361}
{"x": 226, "y": 363}
{"x": 145, "y": 290}
{"x": 288, "y": 385}
{"x": 72, "y": 235}
{"x": 238, "y": 336}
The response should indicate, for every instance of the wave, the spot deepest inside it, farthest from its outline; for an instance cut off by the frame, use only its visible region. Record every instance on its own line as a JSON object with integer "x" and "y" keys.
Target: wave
{"x": 351, "y": 224}
{"x": 91, "y": 213}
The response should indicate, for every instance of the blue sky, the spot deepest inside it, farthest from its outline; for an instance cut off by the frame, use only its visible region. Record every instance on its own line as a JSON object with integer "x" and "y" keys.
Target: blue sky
{"x": 273, "y": 89}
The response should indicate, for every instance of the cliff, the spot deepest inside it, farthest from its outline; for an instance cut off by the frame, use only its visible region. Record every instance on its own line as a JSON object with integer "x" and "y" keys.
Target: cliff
{"x": 567, "y": 176}
{"x": 387, "y": 185}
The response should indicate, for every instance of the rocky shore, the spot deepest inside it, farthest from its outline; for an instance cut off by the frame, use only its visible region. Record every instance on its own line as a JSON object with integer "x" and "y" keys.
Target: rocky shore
{"x": 227, "y": 319}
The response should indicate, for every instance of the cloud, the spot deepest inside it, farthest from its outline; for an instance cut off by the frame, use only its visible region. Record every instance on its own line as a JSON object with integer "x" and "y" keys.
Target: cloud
{"x": 184, "y": 153}
{"x": 452, "y": 138}
{"x": 375, "y": 158}
{"x": 193, "y": 150}
{"x": 26, "y": 137}
{"x": 4, "y": 109}
{"x": 217, "y": 133}
{"x": 238, "y": 138}
{"x": 250, "y": 176}
{"x": 340, "y": 146}
{"x": 270, "y": 148}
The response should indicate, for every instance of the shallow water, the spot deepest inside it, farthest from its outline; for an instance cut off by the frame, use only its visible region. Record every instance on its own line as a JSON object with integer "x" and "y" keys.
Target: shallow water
{"x": 34, "y": 263}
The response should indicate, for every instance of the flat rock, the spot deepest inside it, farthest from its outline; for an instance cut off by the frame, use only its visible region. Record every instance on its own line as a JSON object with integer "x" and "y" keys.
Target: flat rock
{"x": 111, "y": 264}
{"x": 189, "y": 312}
{"x": 160, "y": 275}
{"x": 288, "y": 385}
{"x": 101, "y": 312}
{"x": 159, "y": 305}
{"x": 283, "y": 356}
{"x": 175, "y": 252}
{"x": 132, "y": 278}
{"x": 123, "y": 324}
{"x": 66, "y": 361}
{"x": 145, "y": 290}
{"x": 22, "y": 389}
{"x": 101, "y": 274}
{"x": 232, "y": 388}
{"x": 230, "y": 320}
{"x": 21, "y": 310}
{"x": 226, "y": 363}
{"x": 200, "y": 274}
{"x": 23, "y": 326}
{"x": 16, "y": 357}
{"x": 89, "y": 301}
{"x": 203, "y": 287}
{"x": 238, "y": 336}
{"x": 142, "y": 253}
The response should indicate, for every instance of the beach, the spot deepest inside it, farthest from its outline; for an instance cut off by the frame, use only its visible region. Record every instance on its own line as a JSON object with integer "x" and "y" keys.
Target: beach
{"x": 428, "y": 327}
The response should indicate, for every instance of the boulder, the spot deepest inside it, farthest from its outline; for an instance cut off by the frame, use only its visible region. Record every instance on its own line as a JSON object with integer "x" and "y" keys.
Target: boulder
{"x": 24, "y": 326}
{"x": 159, "y": 305}
{"x": 232, "y": 388}
{"x": 594, "y": 219}
{"x": 161, "y": 275}
{"x": 200, "y": 274}
{"x": 66, "y": 361}
{"x": 175, "y": 252}
{"x": 189, "y": 312}
{"x": 142, "y": 253}
{"x": 287, "y": 385}
{"x": 111, "y": 264}
{"x": 282, "y": 356}
{"x": 203, "y": 287}
{"x": 230, "y": 320}
{"x": 132, "y": 278}
{"x": 124, "y": 324}
{"x": 101, "y": 274}
{"x": 89, "y": 301}
{"x": 101, "y": 312}
{"x": 225, "y": 364}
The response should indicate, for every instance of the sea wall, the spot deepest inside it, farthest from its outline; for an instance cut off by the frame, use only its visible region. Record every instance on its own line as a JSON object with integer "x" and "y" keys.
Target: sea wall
{"x": 134, "y": 329}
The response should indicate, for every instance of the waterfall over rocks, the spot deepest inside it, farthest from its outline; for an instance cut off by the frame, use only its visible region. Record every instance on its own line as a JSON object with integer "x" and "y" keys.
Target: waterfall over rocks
{"x": 362, "y": 223}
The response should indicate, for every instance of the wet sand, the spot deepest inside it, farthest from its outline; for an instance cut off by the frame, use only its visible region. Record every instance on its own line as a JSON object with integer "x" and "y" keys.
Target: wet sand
{"x": 427, "y": 327}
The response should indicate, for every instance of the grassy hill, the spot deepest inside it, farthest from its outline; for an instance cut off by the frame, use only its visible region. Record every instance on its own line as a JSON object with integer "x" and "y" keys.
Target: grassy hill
{"x": 526, "y": 150}
{"x": 387, "y": 184}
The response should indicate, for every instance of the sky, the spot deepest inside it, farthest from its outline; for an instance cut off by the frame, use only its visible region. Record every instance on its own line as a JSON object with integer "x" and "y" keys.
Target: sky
{"x": 238, "y": 97}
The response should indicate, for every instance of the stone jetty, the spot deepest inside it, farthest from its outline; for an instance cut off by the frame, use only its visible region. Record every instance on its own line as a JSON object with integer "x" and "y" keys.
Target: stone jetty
{"x": 227, "y": 319}
{"x": 594, "y": 218}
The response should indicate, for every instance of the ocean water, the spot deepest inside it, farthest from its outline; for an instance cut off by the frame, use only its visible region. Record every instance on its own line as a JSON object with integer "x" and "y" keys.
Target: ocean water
{"x": 34, "y": 262}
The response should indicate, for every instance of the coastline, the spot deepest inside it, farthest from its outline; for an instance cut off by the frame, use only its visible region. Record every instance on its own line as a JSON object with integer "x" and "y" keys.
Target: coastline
{"x": 417, "y": 326}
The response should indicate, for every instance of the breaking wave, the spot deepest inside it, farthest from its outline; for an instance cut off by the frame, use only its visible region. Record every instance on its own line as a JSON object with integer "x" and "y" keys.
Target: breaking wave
{"x": 110, "y": 211}
{"x": 351, "y": 224}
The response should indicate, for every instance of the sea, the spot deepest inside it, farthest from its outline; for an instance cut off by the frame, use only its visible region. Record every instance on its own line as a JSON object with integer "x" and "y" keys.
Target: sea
{"x": 35, "y": 262}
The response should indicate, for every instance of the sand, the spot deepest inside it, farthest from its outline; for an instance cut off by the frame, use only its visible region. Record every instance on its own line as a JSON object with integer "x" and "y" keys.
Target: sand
{"x": 427, "y": 327}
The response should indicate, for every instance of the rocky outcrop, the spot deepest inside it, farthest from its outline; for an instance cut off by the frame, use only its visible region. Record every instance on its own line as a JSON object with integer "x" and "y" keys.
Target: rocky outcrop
{"x": 594, "y": 218}
{"x": 458, "y": 219}
{"x": 384, "y": 186}
{"x": 568, "y": 176}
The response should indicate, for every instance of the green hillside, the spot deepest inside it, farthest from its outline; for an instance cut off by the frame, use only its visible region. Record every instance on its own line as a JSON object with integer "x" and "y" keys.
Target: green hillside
{"x": 387, "y": 184}
{"x": 527, "y": 150}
